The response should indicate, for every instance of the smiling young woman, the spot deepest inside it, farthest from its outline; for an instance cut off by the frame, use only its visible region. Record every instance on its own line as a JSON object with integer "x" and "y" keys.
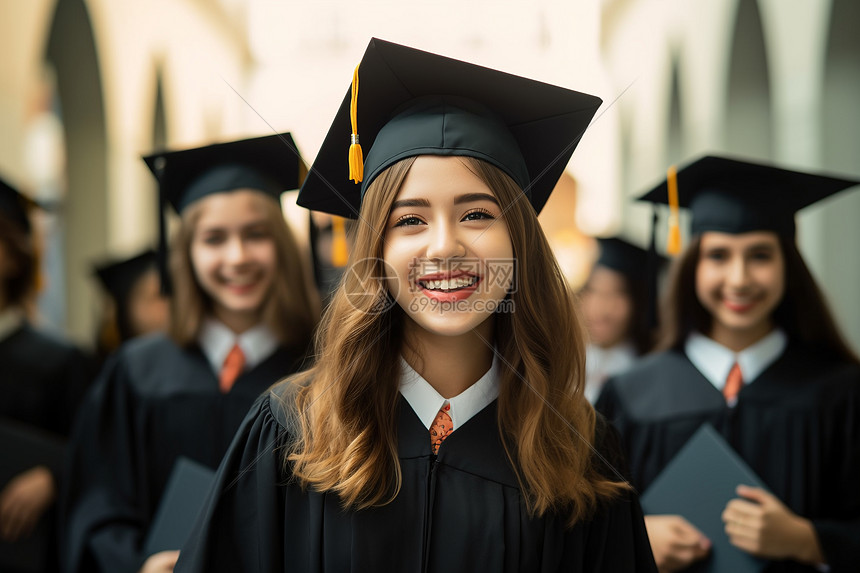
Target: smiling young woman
{"x": 436, "y": 414}
{"x": 241, "y": 319}
{"x": 741, "y": 300}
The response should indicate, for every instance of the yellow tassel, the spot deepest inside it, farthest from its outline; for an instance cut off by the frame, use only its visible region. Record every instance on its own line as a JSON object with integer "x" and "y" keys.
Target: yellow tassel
{"x": 673, "y": 244}
{"x": 356, "y": 158}
{"x": 339, "y": 247}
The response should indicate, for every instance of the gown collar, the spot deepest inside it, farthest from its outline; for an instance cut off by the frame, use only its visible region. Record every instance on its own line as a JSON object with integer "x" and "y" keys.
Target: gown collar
{"x": 604, "y": 363}
{"x": 216, "y": 340}
{"x": 715, "y": 361}
{"x": 426, "y": 401}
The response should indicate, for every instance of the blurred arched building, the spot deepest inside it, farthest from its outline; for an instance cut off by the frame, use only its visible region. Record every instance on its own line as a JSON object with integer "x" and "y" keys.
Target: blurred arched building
{"x": 87, "y": 86}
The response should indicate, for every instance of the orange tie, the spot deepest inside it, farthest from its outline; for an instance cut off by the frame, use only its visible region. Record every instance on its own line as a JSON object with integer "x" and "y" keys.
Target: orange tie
{"x": 233, "y": 365}
{"x": 734, "y": 382}
{"x": 441, "y": 428}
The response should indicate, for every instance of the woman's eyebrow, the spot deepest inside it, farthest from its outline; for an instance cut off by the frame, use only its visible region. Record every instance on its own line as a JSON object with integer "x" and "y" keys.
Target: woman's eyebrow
{"x": 411, "y": 203}
{"x": 467, "y": 198}
{"x": 472, "y": 197}
{"x": 761, "y": 247}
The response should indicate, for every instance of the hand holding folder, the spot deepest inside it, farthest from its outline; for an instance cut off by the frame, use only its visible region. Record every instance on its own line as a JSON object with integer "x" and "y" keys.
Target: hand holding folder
{"x": 698, "y": 484}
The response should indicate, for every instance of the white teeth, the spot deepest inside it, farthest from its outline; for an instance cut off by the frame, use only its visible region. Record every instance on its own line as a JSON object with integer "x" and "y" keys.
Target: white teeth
{"x": 450, "y": 284}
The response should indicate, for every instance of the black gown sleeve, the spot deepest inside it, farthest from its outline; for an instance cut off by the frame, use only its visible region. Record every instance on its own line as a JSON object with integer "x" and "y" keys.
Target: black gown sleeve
{"x": 839, "y": 536}
{"x": 241, "y": 527}
{"x": 102, "y": 525}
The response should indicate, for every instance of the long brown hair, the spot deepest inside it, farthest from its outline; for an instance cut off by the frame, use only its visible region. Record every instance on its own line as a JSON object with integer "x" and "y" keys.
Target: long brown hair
{"x": 346, "y": 402}
{"x": 802, "y": 313}
{"x": 291, "y": 310}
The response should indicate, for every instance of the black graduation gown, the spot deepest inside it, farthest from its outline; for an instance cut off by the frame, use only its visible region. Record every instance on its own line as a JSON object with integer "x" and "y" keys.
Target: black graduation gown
{"x": 797, "y": 425}
{"x": 42, "y": 379}
{"x": 460, "y": 511}
{"x": 152, "y": 403}
{"x": 42, "y": 382}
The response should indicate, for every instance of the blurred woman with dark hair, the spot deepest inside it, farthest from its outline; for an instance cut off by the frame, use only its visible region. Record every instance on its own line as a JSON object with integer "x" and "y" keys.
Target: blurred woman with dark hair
{"x": 750, "y": 347}
{"x": 134, "y": 305}
{"x": 614, "y": 303}
{"x": 42, "y": 381}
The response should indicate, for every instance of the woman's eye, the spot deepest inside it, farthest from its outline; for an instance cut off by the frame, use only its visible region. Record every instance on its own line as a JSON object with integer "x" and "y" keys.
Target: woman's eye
{"x": 257, "y": 234}
{"x": 716, "y": 255}
{"x": 407, "y": 220}
{"x": 477, "y": 215}
{"x": 213, "y": 240}
{"x": 761, "y": 256}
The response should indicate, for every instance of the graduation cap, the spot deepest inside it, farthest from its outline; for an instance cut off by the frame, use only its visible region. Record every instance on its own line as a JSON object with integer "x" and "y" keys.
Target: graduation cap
{"x": 270, "y": 164}
{"x": 119, "y": 276}
{"x": 623, "y": 257}
{"x": 735, "y": 196}
{"x": 411, "y": 103}
{"x": 15, "y": 206}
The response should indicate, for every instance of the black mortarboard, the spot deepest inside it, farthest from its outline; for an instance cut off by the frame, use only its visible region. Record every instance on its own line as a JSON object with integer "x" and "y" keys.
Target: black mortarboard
{"x": 15, "y": 206}
{"x": 270, "y": 164}
{"x": 626, "y": 258}
{"x": 411, "y": 102}
{"x": 735, "y": 196}
{"x": 119, "y": 276}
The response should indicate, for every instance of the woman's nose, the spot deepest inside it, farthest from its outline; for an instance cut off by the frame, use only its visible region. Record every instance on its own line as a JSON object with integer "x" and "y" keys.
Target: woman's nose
{"x": 235, "y": 251}
{"x": 444, "y": 243}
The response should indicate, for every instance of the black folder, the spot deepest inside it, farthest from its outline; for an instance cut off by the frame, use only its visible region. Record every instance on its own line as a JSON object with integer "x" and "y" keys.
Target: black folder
{"x": 697, "y": 484}
{"x": 183, "y": 498}
{"x": 23, "y": 447}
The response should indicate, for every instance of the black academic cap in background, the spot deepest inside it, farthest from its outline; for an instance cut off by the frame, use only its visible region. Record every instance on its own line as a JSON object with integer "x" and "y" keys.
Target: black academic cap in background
{"x": 118, "y": 276}
{"x": 411, "y": 102}
{"x": 15, "y": 206}
{"x": 270, "y": 164}
{"x": 623, "y": 257}
{"x": 738, "y": 196}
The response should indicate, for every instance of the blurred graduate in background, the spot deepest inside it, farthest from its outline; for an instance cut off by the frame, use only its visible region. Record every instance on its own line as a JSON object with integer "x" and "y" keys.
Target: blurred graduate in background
{"x": 133, "y": 302}
{"x": 614, "y": 303}
{"x": 242, "y": 316}
{"x": 42, "y": 381}
{"x": 749, "y": 346}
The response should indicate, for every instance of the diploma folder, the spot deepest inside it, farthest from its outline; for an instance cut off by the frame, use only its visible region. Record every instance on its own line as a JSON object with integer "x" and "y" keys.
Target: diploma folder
{"x": 697, "y": 484}
{"x": 23, "y": 447}
{"x": 181, "y": 502}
